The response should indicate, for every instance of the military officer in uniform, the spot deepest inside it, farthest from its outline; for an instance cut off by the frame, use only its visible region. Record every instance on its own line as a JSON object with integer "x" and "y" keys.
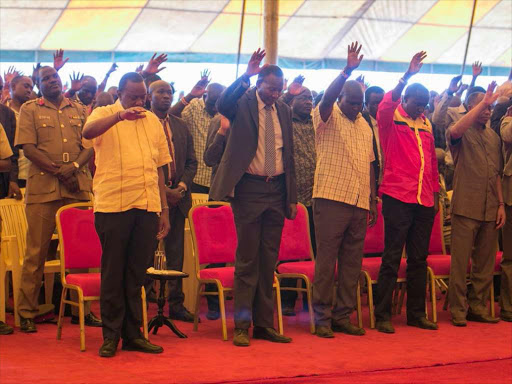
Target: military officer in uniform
{"x": 50, "y": 133}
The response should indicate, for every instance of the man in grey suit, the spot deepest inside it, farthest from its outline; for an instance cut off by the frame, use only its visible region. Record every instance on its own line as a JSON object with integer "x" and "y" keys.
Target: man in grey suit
{"x": 257, "y": 172}
{"x": 178, "y": 179}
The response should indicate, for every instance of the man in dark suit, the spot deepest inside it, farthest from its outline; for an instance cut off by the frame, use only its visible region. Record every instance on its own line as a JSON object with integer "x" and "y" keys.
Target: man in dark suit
{"x": 257, "y": 171}
{"x": 178, "y": 179}
{"x": 9, "y": 180}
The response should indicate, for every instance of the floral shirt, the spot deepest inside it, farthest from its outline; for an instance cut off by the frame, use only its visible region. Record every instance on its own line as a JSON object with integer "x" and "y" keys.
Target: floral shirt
{"x": 305, "y": 158}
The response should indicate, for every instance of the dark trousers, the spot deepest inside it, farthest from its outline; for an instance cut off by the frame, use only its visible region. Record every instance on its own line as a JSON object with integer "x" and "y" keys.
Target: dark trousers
{"x": 196, "y": 188}
{"x": 174, "y": 251}
{"x": 288, "y": 298}
{"x": 259, "y": 211}
{"x": 409, "y": 224}
{"x": 340, "y": 233}
{"x": 128, "y": 243}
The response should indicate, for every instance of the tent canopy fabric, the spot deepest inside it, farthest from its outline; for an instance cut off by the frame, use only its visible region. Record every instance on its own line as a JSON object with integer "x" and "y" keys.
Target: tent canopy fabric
{"x": 312, "y": 33}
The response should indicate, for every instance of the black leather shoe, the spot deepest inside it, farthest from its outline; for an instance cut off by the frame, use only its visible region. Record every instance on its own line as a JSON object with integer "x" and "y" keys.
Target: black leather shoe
{"x": 324, "y": 332}
{"x": 183, "y": 315}
{"x": 212, "y": 315}
{"x": 288, "y": 311}
{"x": 108, "y": 349}
{"x": 5, "y": 329}
{"x": 385, "y": 327}
{"x": 348, "y": 328}
{"x": 482, "y": 318}
{"x": 90, "y": 320}
{"x": 141, "y": 345}
{"x": 27, "y": 325}
{"x": 505, "y": 315}
{"x": 241, "y": 338}
{"x": 422, "y": 323}
{"x": 270, "y": 334}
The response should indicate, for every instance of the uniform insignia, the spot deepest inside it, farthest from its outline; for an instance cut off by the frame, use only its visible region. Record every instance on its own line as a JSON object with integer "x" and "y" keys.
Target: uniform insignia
{"x": 44, "y": 117}
{"x": 40, "y": 101}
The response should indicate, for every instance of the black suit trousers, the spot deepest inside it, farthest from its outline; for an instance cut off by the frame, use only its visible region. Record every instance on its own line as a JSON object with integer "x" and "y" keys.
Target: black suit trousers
{"x": 128, "y": 243}
{"x": 409, "y": 224}
{"x": 259, "y": 211}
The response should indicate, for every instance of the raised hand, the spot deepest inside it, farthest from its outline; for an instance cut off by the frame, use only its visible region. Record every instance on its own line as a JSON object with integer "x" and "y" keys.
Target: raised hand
{"x": 491, "y": 96}
{"x": 353, "y": 58}
{"x": 295, "y": 87}
{"x": 224, "y": 125}
{"x": 58, "y": 59}
{"x": 200, "y": 87}
{"x": 139, "y": 68}
{"x": 76, "y": 81}
{"x": 10, "y": 74}
{"x": 253, "y": 67}
{"x": 416, "y": 63}
{"x": 154, "y": 63}
{"x": 455, "y": 84}
{"x": 113, "y": 68}
{"x": 133, "y": 113}
{"x": 462, "y": 88}
{"x": 35, "y": 72}
{"x": 477, "y": 68}
{"x": 360, "y": 80}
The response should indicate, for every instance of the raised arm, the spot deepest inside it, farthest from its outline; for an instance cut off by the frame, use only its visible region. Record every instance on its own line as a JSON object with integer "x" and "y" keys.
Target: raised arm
{"x": 414, "y": 67}
{"x": 477, "y": 70}
{"x": 103, "y": 85}
{"x": 334, "y": 90}
{"x": 196, "y": 92}
{"x": 457, "y": 130}
{"x": 294, "y": 89}
{"x": 95, "y": 128}
{"x": 439, "y": 118}
{"x": 228, "y": 100}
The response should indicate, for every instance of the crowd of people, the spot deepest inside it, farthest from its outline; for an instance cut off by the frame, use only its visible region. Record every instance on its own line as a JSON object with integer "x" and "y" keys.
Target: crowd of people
{"x": 264, "y": 148}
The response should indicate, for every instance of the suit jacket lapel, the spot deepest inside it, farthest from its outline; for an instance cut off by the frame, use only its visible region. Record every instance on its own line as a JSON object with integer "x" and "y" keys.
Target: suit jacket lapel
{"x": 284, "y": 127}
{"x": 253, "y": 107}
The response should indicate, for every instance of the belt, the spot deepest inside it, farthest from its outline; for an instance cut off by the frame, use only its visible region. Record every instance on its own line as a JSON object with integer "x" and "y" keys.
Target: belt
{"x": 266, "y": 179}
{"x": 65, "y": 157}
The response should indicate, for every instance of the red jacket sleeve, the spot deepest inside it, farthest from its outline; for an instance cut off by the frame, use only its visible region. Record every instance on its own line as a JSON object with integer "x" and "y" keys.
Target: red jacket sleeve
{"x": 385, "y": 115}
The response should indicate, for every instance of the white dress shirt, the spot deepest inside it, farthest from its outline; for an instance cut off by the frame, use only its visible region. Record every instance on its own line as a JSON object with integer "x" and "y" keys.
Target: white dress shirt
{"x": 257, "y": 166}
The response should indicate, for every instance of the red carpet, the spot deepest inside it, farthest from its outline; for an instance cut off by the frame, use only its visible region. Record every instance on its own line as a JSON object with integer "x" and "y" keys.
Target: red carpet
{"x": 479, "y": 353}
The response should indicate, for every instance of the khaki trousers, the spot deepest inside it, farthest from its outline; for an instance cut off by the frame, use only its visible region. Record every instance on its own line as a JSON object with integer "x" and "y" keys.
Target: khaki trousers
{"x": 41, "y": 226}
{"x": 475, "y": 240}
{"x": 506, "y": 264}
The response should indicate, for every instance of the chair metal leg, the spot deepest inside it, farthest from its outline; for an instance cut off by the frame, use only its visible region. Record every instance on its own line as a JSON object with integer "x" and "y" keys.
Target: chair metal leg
{"x": 371, "y": 309}
{"x": 3, "y": 290}
{"x": 49, "y": 279}
{"x": 401, "y": 297}
{"x": 82, "y": 321}
{"x": 279, "y": 308}
{"x": 358, "y": 301}
{"x": 492, "y": 309}
{"x": 222, "y": 306}
{"x": 309, "y": 293}
{"x": 61, "y": 312}
{"x": 144, "y": 313}
{"x": 196, "y": 309}
{"x": 433, "y": 299}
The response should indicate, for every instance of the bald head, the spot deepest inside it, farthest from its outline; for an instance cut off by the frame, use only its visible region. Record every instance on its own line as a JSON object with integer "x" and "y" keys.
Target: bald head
{"x": 213, "y": 92}
{"x": 161, "y": 97}
{"x": 302, "y": 104}
{"x": 474, "y": 99}
{"x": 352, "y": 98}
{"x": 88, "y": 91}
{"x": 159, "y": 84}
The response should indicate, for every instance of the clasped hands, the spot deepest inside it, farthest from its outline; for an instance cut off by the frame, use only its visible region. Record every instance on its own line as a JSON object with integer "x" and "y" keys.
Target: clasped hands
{"x": 66, "y": 174}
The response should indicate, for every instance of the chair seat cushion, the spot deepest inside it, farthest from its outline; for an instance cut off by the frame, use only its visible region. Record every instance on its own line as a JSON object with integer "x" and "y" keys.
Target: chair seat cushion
{"x": 89, "y": 282}
{"x": 440, "y": 264}
{"x": 371, "y": 265}
{"x": 302, "y": 267}
{"x": 226, "y": 275}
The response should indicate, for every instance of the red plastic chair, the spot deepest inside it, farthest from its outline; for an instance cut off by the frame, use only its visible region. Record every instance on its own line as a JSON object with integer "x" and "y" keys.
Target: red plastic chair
{"x": 80, "y": 248}
{"x": 215, "y": 241}
{"x": 296, "y": 249}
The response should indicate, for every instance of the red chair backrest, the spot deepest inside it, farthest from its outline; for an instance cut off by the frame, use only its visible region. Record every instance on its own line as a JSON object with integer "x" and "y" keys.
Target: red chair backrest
{"x": 436, "y": 238}
{"x": 215, "y": 234}
{"x": 80, "y": 242}
{"x": 295, "y": 240}
{"x": 374, "y": 240}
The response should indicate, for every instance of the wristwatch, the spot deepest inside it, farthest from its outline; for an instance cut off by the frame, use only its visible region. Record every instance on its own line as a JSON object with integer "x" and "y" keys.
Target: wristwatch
{"x": 77, "y": 166}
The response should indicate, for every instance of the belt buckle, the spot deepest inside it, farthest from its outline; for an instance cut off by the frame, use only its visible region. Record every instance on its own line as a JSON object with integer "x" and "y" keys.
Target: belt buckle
{"x": 269, "y": 179}
{"x": 65, "y": 157}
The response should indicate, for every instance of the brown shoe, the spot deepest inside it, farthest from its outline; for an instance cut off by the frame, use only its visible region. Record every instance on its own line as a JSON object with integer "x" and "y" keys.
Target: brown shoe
{"x": 385, "y": 327}
{"x": 270, "y": 334}
{"x": 422, "y": 323}
{"x": 348, "y": 328}
{"x": 505, "y": 315}
{"x": 482, "y": 318}
{"x": 324, "y": 332}
{"x": 241, "y": 338}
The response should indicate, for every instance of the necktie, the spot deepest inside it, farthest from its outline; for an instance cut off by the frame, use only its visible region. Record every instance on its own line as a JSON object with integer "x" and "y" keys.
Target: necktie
{"x": 270, "y": 143}
{"x": 172, "y": 165}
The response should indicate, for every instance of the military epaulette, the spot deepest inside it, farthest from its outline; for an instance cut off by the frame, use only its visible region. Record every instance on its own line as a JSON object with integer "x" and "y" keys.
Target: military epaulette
{"x": 31, "y": 101}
